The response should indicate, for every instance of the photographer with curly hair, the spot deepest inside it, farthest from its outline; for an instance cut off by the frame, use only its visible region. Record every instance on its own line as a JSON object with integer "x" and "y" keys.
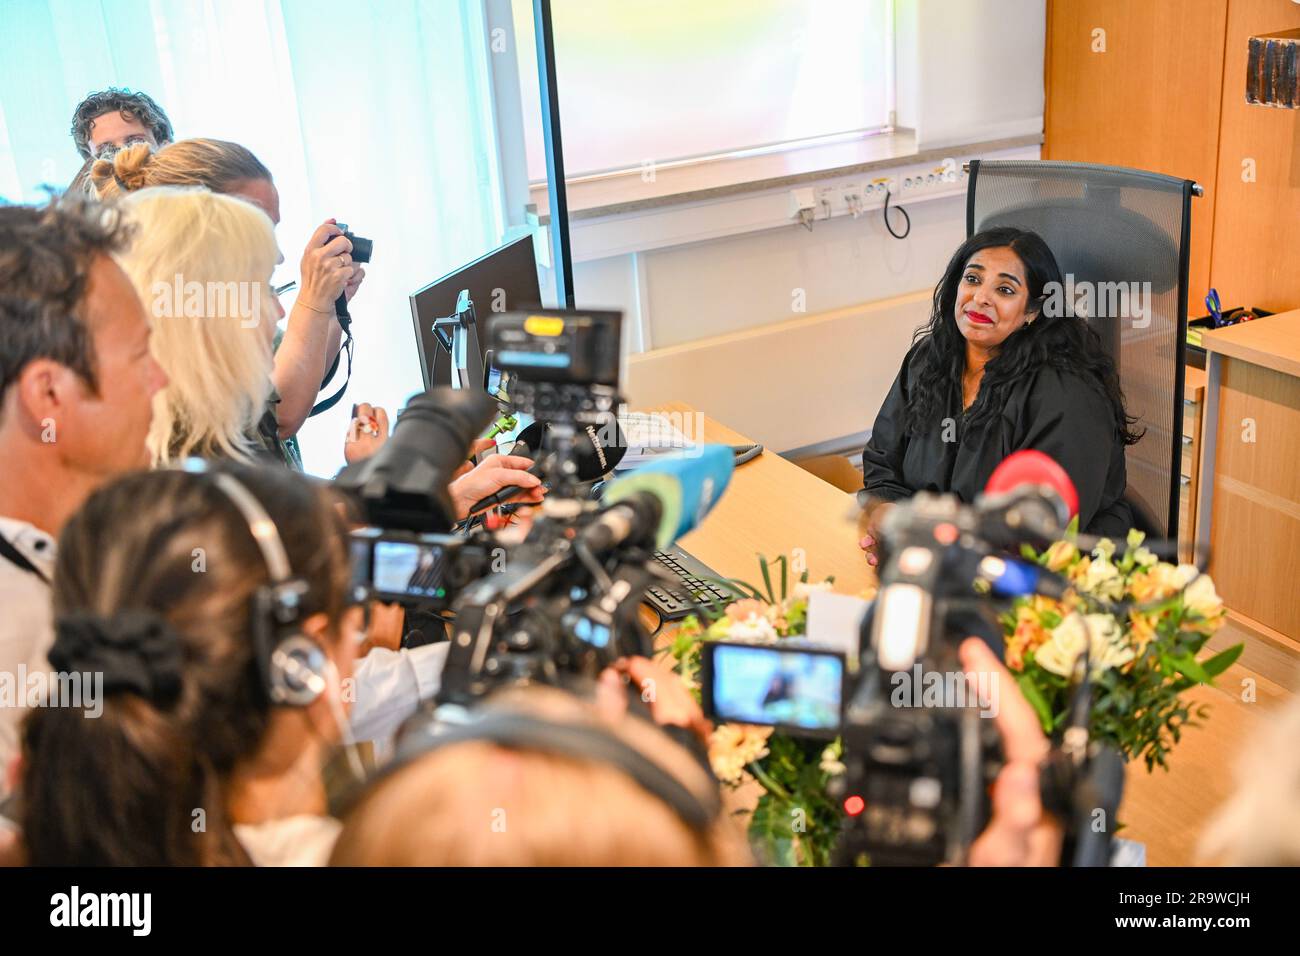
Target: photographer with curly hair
{"x": 107, "y": 121}
{"x": 312, "y": 338}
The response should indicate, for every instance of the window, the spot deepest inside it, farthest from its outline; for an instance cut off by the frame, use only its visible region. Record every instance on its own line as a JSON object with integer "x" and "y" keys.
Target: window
{"x": 381, "y": 119}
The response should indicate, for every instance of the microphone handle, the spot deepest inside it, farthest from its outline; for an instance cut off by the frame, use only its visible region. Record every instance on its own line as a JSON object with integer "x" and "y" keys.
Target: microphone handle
{"x": 505, "y": 494}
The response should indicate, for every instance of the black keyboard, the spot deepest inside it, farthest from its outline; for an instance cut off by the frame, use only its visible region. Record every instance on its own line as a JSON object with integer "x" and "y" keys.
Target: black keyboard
{"x": 696, "y": 587}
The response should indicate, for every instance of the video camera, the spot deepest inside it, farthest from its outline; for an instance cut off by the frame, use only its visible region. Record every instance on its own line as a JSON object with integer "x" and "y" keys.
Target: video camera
{"x": 919, "y": 749}
{"x": 563, "y": 602}
{"x": 561, "y": 369}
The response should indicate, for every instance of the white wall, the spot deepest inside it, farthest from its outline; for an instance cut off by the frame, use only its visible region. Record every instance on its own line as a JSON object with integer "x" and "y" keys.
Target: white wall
{"x": 712, "y": 288}
{"x": 971, "y": 69}
{"x": 701, "y": 300}
{"x": 967, "y": 71}
{"x": 788, "y": 384}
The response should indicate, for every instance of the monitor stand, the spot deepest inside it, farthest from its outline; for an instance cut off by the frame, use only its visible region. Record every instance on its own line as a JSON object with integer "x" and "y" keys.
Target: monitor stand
{"x": 458, "y": 335}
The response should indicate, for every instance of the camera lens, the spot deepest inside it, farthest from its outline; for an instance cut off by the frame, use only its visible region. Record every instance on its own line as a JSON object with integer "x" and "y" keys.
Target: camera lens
{"x": 361, "y": 248}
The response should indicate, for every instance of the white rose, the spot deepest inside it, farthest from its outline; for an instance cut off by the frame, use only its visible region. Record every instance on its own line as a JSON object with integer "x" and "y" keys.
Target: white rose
{"x": 1106, "y": 647}
{"x": 756, "y": 628}
{"x": 831, "y": 763}
{"x": 1144, "y": 557}
{"x": 1165, "y": 579}
{"x": 1062, "y": 649}
{"x": 1105, "y": 549}
{"x": 1202, "y": 598}
{"x": 1185, "y": 574}
{"x": 1104, "y": 580}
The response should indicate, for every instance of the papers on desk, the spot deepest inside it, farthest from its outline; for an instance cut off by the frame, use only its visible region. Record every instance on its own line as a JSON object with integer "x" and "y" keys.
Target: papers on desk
{"x": 649, "y": 434}
{"x": 835, "y": 620}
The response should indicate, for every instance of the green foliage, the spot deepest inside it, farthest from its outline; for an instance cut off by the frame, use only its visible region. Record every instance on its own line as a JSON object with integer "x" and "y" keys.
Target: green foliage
{"x": 795, "y": 823}
{"x": 1139, "y": 707}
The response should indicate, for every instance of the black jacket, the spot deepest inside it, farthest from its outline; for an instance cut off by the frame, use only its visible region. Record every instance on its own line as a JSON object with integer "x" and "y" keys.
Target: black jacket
{"x": 1057, "y": 413}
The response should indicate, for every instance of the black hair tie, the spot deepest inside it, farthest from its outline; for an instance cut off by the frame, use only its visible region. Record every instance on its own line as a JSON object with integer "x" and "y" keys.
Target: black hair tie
{"x": 136, "y": 651}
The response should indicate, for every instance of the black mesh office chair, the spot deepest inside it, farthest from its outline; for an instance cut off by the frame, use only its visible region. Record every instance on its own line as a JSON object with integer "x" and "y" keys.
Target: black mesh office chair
{"x": 1106, "y": 224}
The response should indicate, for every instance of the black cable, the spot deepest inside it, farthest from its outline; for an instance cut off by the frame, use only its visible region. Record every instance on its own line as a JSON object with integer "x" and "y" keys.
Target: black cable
{"x": 906, "y": 218}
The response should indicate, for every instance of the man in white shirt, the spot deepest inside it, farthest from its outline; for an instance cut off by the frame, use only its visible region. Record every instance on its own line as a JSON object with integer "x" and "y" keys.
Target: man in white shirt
{"x": 76, "y": 387}
{"x": 77, "y": 381}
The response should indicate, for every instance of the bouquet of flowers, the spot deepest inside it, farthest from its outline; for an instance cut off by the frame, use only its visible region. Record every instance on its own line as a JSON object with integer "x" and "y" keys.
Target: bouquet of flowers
{"x": 794, "y": 821}
{"x": 1141, "y": 653}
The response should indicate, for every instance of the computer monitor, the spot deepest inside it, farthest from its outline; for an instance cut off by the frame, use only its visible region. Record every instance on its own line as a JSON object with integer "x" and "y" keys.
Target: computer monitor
{"x": 503, "y": 280}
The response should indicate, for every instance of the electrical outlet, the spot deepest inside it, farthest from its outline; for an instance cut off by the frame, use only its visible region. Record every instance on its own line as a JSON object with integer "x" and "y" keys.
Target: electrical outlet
{"x": 826, "y": 197}
{"x": 851, "y": 196}
{"x": 802, "y": 201}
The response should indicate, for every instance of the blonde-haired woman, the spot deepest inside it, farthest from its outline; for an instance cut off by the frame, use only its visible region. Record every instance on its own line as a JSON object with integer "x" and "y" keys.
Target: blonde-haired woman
{"x": 525, "y": 790}
{"x": 311, "y": 339}
{"x": 201, "y": 263}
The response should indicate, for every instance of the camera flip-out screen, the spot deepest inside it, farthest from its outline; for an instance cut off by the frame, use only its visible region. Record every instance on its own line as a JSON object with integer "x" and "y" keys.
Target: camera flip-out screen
{"x": 797, "y": 688}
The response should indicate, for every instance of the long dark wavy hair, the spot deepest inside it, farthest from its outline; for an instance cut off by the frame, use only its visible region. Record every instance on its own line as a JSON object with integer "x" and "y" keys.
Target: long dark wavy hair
{"x": 1062, "y": 341}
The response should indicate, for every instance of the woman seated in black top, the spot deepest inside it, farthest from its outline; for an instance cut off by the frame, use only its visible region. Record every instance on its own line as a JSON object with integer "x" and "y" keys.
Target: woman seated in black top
{"x": 999, "y": 368}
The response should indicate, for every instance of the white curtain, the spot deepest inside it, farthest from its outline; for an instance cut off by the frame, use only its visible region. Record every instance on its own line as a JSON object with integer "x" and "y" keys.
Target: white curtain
{"x": 377, "y": 114}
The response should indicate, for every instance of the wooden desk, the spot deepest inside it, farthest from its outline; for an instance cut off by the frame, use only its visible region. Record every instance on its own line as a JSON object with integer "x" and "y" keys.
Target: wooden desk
{"x": 1249, "y": 495}
{"x": 773, "y": 507}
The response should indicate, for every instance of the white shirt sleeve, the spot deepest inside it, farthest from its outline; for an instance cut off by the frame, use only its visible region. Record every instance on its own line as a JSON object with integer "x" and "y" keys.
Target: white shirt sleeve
{"x": 26, "y": 633}
{"x": 390, "y": 685}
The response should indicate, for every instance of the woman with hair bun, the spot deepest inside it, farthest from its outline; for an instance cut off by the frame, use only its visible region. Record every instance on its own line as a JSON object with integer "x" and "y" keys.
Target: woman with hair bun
{"x": 311, "y": 339}
{"x": 158, "y": 588}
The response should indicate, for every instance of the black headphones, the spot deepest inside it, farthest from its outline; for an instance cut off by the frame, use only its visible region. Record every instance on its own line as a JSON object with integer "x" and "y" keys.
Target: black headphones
{"x": 430, "y": 731}
{"x": 291, "y": 665}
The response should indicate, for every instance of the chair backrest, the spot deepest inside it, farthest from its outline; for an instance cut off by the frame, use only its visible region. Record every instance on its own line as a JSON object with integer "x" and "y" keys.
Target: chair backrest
{"x": 1122, "y": 240}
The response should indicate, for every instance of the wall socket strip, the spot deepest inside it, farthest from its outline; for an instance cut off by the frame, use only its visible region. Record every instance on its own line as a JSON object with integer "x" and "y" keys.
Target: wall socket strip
{"x": 854, "y": 195}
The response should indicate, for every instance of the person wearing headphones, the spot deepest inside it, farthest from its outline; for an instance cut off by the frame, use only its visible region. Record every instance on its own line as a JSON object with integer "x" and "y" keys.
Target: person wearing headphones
{"x": 541, "y": 777}
{"x": 544, "y": 777}
{"x": 310, "y": 347}
{"x": 226, "y": 642}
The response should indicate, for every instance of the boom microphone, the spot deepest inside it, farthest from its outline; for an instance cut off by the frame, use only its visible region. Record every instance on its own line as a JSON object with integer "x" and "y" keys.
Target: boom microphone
{"x": 686, "y": 487}
{"x": 596, "y": 451}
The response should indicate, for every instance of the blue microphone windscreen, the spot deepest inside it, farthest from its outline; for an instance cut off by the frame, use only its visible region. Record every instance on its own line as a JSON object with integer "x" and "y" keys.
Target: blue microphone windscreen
{"x": 687, "y": 485}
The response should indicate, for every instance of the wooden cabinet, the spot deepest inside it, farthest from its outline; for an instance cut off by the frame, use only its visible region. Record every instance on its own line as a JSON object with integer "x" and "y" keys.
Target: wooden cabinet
{"x": 1193, "y": 406}
{"x": 1138, "y": 83}
{"x": 1249, "y": 491}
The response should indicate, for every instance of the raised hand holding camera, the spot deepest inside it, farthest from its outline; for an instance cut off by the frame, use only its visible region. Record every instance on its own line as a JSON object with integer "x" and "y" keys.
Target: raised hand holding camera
{"x": 326, "y": 268}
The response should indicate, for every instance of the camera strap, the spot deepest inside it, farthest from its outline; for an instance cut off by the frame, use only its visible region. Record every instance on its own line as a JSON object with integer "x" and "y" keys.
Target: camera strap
{"x": 19, "y": 560}
{"x": 326, "y": 404}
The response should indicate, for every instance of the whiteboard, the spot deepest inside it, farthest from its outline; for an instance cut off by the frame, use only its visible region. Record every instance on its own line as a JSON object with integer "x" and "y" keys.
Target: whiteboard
{"x": 652, "y": 81}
